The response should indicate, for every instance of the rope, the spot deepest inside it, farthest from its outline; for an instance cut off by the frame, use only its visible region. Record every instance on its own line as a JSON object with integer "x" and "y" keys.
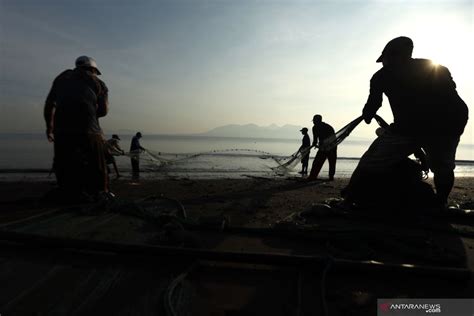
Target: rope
{"x": 168, "y": 295}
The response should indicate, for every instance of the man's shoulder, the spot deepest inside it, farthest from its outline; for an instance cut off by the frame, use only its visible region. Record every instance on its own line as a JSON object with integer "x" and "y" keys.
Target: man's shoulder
{"x": 422, "y": 62}
{"x": 427, "y": 65}
{"x": 326, "y": 125}
{"x": 379, "y": 75}
{"x": 64, "y": 75}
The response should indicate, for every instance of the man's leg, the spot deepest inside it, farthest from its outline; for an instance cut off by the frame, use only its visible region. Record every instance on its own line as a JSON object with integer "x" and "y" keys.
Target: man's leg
{"x": 318, "y": 163}
{"x": 443, "y": 181}
{"x": 441, "y": 154}
{"x": 304, "y": 162}
{"x": 68, "y": 163}
{"x": 135, "y": 167}
{"x": 332, "y": 158}
{"x": 116, "y": 169}
{"x": 385, "y": 152}
{"x": 96, "y": 176}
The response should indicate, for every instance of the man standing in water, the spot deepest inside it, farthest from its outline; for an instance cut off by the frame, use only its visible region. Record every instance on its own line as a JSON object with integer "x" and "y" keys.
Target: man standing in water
{"x": 135, "y": 150}
{"x": 427, "y": 111}
{"x": 72, "y": 109}
{"x": 321, "y": 132}
{"x": 304, "y": 150}
{"x": 113, "y": 149}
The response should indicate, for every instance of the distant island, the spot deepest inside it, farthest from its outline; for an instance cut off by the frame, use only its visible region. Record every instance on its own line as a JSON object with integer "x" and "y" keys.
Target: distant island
{"x": 255, "y": 131}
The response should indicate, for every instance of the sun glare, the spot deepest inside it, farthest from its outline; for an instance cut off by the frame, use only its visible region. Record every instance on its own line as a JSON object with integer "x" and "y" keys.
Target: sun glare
{"x": 436, "y": 42}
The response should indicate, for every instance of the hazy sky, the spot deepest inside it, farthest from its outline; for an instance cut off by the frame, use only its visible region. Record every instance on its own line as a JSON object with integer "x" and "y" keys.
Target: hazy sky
{"x": 189, "y": 66}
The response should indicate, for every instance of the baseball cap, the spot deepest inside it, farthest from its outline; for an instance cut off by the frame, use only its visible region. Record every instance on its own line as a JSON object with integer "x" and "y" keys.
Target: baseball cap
{"x": 398, "y": 46}
{"x": 304, "y": 129}
{"x": 115, "y": 136}
{"x": 86, "y": 61}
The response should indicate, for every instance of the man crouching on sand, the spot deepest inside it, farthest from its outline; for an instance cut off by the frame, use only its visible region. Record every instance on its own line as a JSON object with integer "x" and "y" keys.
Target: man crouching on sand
{"x": 75, "y": 102}
{"x": 427, "y": 111}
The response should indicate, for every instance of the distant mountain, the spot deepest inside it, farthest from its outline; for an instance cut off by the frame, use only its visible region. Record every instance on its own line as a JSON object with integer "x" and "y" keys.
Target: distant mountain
{"x": 255, "y": 131}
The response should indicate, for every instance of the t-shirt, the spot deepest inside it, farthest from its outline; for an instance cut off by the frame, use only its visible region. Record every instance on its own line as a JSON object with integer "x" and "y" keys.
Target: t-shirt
{"x": 321, "y": 131}
{"x": 113, "y": 147}
{"x": 306, "y": 142}
{"x": 135, "y": 144}
{"x": 422, "y": 96}
{"x": 79, "y": 99}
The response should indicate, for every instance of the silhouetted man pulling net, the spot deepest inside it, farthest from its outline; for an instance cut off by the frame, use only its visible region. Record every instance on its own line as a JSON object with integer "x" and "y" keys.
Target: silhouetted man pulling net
{"x": 327, "y": 144}
{"x": 332, "y": 141}
{"x": 76, "y": 101}
{"x": 428, "y": 113}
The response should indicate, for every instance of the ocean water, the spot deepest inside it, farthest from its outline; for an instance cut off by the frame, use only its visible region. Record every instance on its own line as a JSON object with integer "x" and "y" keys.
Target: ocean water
{"x": 29, "y": 156}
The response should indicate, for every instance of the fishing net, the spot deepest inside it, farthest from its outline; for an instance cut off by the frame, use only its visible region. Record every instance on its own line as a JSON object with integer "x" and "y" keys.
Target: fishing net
{"x": 326, "y": 145}
{"x": 334, "y": 140}
{"x": 219, "y": 162}
{"x": 147, "y": 157}
{"x": 294, "y": 159}
{"x": 238, "y": 159}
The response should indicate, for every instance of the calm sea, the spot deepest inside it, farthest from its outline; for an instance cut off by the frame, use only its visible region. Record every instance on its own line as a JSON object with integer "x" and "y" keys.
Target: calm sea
{"x": 29, "y": 156}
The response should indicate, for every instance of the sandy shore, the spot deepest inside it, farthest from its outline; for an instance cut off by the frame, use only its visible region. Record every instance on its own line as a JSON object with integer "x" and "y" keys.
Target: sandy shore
{"x": 249, "y": 202}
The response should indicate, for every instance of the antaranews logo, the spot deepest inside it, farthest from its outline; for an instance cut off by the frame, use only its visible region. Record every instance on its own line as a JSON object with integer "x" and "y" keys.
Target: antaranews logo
{"x": 386, "y": 307}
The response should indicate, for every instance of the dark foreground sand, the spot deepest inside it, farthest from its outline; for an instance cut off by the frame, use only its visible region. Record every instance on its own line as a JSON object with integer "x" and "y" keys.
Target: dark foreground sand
{"x": 258, "y": 202}
{"x": 250, "y": 202}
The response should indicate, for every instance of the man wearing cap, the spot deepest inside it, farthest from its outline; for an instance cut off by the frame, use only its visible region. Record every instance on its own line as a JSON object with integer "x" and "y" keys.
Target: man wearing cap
{"x": 113, "y": 149}
{"x": 135, "y": 149}
{"x": 72, "y": 109}
{"x": 304, "y": 150}
{"x": 427, "y": 112}
{"x": 321, "y": 132}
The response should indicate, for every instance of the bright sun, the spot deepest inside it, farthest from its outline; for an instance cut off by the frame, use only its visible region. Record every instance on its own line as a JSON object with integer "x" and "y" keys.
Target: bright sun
{"x": 448, "y": 43}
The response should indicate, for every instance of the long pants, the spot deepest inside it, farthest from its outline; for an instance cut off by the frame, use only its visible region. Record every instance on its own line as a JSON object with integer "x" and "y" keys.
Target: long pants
{"x": 319, "y": 160}
{"x": 79, "y": 163}
{"x": 135, "y": 160}
{"x": 304, "y": 163}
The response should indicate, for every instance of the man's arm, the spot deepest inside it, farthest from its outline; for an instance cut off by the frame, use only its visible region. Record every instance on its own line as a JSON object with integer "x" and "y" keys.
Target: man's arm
{"x": 120, "y": 149}
{"x": 302, "y": 145}
{"x": 374, "y": 101}
{"x": 48, "y": 113}
{"x": 103, "y": 100}
{"x": 315, "y": 137}
{"x": 117, "y": 149}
